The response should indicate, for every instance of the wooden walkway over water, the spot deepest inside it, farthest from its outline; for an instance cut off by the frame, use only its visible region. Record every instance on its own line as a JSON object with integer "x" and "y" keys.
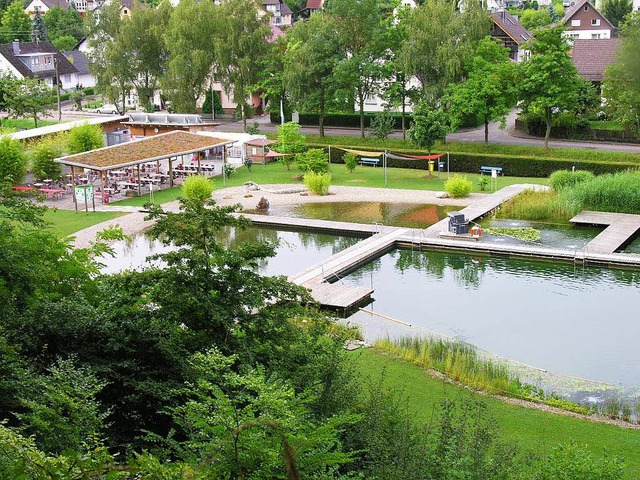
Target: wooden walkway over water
{"x": 621, "y": 227}
{"x": 320, "y": 279}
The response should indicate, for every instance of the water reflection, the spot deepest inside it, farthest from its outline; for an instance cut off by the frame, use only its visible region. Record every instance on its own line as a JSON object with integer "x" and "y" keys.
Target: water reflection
{"x": 295, "y": 251}
{"x": 414, "y": 215}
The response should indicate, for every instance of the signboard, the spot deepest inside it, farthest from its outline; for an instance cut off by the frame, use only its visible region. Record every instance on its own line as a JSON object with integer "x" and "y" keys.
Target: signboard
{"x": 84, "y": 193}
{"x": 494, "y": 173}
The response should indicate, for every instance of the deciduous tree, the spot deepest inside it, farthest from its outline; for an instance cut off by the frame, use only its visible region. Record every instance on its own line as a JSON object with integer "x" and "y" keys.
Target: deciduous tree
{"x": 363, "y": 33}
{"x": 190, "y": 39}
{"x": 616, "y": 10}
{"x": 13, "y": 164}
{"x": 440, "y": 41}
{"x": 621, "y": 86}
{"x": 549, "y": 81}
{"x": 429, "y": 126}
{"x": 489, "y": 91}
{"x": 29, "y": 97}
{"x": 242, "y": 40}
{"x": 16, "y": 24}
{"x": 313, "y": 51}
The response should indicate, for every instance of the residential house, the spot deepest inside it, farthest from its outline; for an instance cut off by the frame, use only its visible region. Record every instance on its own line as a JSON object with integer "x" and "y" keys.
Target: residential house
{"x": 511, "y": 34}
{"x": 313, "y": 6}
{"x": 592, "y": 57}
{"x": 584, "y": 22}
{"x": 80, "y": 61}
{"x": 281, "y": 14}
{"x": 82, "y": 6}
{"x": 43, "y": 6}
{"x": 36, "y": 59}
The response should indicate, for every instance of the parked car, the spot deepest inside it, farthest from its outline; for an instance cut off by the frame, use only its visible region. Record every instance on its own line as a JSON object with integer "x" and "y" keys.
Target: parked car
{"x": 108, "y": 108}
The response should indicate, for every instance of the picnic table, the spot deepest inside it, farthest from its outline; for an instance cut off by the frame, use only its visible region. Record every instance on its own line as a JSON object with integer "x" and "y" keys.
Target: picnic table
{"x": 52, "y": 193}
{"x": 21, "y": 188}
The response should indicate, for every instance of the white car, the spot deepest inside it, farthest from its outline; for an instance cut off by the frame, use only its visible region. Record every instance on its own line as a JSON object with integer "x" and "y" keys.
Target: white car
{"x": 108, "y": 108}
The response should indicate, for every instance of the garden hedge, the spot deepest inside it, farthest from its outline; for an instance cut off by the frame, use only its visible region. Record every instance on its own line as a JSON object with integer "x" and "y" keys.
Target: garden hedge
{"x": 512, "y": 166}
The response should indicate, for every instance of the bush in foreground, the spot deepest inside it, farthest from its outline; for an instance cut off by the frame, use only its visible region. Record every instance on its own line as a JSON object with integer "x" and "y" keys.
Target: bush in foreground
{"x": 317, "y": 183}
{"x": 197, "y": 187}
{"x": 458, "y": 186}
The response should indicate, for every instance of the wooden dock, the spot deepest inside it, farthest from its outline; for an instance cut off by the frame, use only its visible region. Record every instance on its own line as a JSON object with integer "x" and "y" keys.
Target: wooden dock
{"x": 621, "y": 227}
{"x": 482, "y": 207}
{"x": 321, "y": 279}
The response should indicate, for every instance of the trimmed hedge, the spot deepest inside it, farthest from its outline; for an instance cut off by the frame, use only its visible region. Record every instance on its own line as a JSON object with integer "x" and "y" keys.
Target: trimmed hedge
{"x": 512, "y": 166}
{"x": 538, "y": 129}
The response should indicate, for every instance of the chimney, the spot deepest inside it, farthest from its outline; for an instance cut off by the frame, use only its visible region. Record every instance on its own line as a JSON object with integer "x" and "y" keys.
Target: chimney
{"x": 16, "y": 47}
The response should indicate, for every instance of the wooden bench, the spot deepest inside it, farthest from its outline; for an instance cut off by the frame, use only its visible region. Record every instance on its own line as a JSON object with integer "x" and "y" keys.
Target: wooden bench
{"x": 490, "y": 170}
{"x": 369, "y": 161}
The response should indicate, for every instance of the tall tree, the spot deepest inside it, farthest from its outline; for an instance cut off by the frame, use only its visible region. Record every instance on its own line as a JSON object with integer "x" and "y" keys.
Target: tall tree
{"x": 143, "y": 35}
{"x": 313, "y": 51}
{"x": 363, "y": 35}
{"x": 110, "y": 60}
{"x": 489, "y": 90}
{"x": 549, "y": 81}
{"x": 16, "y": 24}
{"x": 64, "y": 23}
{"x": 616, "y": 10}
{"x": 621, "y": 86}
{"x": 440, "y": 41}
{"x": 242, "y": 40}
{"x": 29, "y": 97}
{"x": 190, "y": 40}
{"x": 39, "y": 30}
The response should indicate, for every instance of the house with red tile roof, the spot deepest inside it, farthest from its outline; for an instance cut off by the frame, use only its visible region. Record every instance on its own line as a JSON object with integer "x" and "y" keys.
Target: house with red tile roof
{"x": 592, "y": 57}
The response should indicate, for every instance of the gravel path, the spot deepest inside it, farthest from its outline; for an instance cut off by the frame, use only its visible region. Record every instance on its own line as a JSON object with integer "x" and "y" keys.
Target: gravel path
{"x": 134, "y": 222}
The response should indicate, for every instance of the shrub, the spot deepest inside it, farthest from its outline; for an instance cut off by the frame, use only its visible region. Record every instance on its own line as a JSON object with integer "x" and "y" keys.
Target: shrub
{"x": 458, "y": 186}
{"x": 84, "y": 138}
{"x": 350, "y": 161}
{"x": 248, "y": 162}
{"x": 197, "y": 187}
{"x": 44, "y": 153}
{"x": 13, "y": 164}
{"x": 382, "y": 124}
{"x": 313, "y": 160}
{"x": 317, "y": 183}
{"x": 483, "y": 183}
{"x": 561, "y": 179}
{"x": 289, "y": 141}
{"x": 229, "y": 170}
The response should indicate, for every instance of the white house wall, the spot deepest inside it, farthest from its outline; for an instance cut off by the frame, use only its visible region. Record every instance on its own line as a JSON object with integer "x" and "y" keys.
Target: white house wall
{"x": 6, "y": 67}
{"x": 587, "y": 34}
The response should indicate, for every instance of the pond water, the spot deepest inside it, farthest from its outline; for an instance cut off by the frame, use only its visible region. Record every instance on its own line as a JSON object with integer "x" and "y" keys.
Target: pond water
{"x": 295, "y": 252}
{"x": 578, "y": 321}
{"x": 572, "y": 237}
{"x": 413, "y": 215}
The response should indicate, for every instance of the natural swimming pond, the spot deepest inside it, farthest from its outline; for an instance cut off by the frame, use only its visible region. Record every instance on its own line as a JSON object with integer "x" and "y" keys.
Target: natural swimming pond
{"x": 574, "y": 320}
{"x": 569, "y": 319}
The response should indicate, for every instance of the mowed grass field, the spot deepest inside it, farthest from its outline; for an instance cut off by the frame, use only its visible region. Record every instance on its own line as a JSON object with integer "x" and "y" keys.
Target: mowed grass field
{"x": 67, "y": 222}
{"x": 532, "y": 429}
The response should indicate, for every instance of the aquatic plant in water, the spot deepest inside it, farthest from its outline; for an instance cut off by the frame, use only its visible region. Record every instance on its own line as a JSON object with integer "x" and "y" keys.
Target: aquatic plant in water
{"x": 528, "y": 234}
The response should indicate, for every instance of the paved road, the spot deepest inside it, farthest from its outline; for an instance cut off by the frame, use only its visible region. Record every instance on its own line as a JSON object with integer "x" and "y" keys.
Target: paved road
{"x": 475, "y": 135}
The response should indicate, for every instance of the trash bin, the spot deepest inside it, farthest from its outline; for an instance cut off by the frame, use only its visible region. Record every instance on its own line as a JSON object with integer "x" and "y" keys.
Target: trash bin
{"x": 431, "y": 166}
{"x": 105, "y": 198}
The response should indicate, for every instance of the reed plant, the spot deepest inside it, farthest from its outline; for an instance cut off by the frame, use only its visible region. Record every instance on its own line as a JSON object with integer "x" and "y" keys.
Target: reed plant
{"x": 615, "y": 192}
{"x": 561, "y": 179}
{"x": 317, "y": 183}
{"x": 540, "y": 206}
{"x": 457, "y": 360}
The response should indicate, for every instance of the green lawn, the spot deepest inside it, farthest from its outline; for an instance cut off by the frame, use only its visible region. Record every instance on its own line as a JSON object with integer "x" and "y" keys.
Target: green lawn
{"x": 15, "y": 124}
{"x": 67, "y": 222}
{"x": 532, "y": 429}
{"x": 361, "y": 177}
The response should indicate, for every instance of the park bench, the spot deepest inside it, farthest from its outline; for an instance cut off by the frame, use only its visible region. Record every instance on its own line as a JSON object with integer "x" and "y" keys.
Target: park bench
{"x": 490, "y": 170}
{"x": 369, "y": 161}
